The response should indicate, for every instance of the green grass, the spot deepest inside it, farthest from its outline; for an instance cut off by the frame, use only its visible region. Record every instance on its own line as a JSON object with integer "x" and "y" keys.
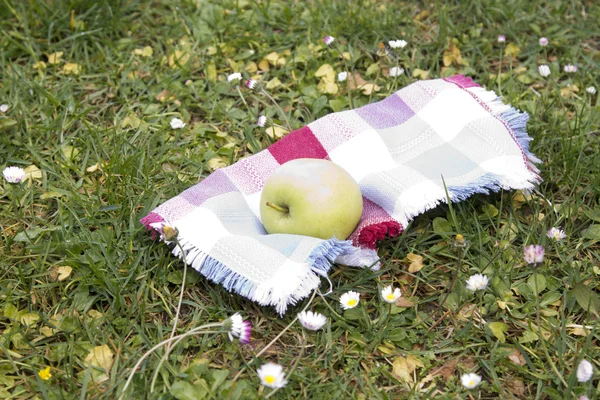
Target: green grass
{"x": 107, "y": 156}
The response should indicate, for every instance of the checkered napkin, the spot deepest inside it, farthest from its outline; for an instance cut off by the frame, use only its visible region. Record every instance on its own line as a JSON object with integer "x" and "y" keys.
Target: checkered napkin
{"x": 404, "y": 151}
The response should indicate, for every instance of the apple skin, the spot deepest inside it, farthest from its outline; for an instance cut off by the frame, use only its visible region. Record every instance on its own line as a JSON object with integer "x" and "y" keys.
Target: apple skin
{"x": 311, "y": 197}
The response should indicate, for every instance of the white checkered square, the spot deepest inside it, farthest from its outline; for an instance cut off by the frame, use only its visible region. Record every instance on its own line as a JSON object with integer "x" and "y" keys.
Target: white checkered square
{"x": 363, "y": 154}
{"x": 442, "y": 112}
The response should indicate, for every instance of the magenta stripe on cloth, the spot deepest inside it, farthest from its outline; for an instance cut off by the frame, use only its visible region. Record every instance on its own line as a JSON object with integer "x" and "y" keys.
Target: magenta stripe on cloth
{"x": 462, "y": 81}
{"x": 300, "y": 143}
{"x": 375, "y": 224}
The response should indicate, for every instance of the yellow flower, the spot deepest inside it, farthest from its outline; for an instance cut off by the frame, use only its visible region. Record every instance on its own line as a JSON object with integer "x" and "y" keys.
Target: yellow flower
{"x": 45, "y": 373}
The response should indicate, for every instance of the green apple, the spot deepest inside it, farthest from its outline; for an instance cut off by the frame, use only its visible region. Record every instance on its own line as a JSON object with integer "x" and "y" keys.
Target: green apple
{"x": 311, "y": 197}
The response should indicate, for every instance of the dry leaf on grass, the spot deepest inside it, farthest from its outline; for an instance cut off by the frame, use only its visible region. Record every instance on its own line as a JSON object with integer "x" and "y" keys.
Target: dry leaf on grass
{"x": 516, "y": 357}
{"x": 416, "y": 262}
{"x": 71, "y": 69}
{"x": 145, "y": 52}
{"x": 61, "y": 273}
{"x": 33, "y": 172}
{"x": 355, "y": 81}
{"x": 55, "y": 58}
{"x": 403, "y": 302}
{"x": 403, "y": 367}
{"x": 275, "y": 131}
{"x": 452, "y": 55}
{"x": 447, "y": 370}
{"x": 512, "y": 50}
{"x": 517, "y": 388}
{"x": 421, "y": 74}
{"x": 100, "y": 359}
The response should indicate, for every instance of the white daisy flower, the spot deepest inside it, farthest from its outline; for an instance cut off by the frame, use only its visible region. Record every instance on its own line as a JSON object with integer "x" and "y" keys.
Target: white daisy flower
{"x": 342, "y": 76}
{"x": 544, "y": 41}
{"x": 4, "y": 108}
{"x": 13, "y": 174}
{"x": 570, "y": 68}
{"x": 261, "y": 121}
{"x": 390, "y": 294}
{"x": 176, "y": 123}
{"x": 591, "y": 90}
{"x": 396, "y": 71}
{"x": 349, "y": 300}
{"x": 556, "y": 234}
{"x": 236, "y": 76}
{"x": 501, "y": 39}
{"x": 533, "y": 254}
{"x": 251, "y": 84}
{"x": 397, "y": 44}
{"x": 470, "y": 381}
{"x": 239, "y": 328}
{"x": 167, "y": 232}
{"x": 328, "y": 40}
{"x": 312, "y": 320}
{"x": 585, "y": 370}
{"x": 272, "y": 375}
{"x": 544, "y": 70}
{"x": 477, "y": 282}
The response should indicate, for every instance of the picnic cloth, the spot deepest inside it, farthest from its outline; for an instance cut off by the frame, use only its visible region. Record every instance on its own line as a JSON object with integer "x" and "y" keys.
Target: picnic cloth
{"x": 404, "y": 152}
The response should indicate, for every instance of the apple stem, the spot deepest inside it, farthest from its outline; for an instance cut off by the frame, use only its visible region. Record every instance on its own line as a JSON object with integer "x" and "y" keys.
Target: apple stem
{"x": 278, "y": 208}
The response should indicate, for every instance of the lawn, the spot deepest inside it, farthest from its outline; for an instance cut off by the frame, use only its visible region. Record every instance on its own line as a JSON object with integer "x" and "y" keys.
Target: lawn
{"x": 91, "y": 89}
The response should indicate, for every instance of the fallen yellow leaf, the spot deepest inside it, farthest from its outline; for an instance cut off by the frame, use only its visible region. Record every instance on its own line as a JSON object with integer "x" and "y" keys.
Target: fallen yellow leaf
{"x": 326, "y": 73}
{"x": 263, "y": 65}
{"x": 569, "y": 91}
{"x": 64, "y": 272}
{"x": 145, "y": 52}
{"x": 55, "y": 58}
{"x": 29, "y": 319}
{"x": 452, "y": 55}
{"x": 403, "y": 367}
{"x": 403, "y": 302}
{"x": 131, "y": 121}
{"x": 516, "y": 357}
{"x": 275, "y": 131}
{"x": 416, "y": 262}
{"x": 512, "y": 50}
{"x": 100, "y": 358}
{"x": 274, "y": 59}
{"x": 93, "y": 168}
{"x": 369, "y": 88}
{"x": 39, "y": 65}
{"x": 421, "y": 74}
{"x": 579, "y": 331}
{"x": 71, "y": 68}
{"x": 47, "y": 331}
{"x": 216, "y": 163}
{"x": 401, "y": 370}
{"x": 273, "y": 83}
{"x": 178, "y": 58}
{"x": 422, "y": 15}
{"x": 33, "y": 172}
{"x": 251, "y": 67}
{"x": 327, "y": 87}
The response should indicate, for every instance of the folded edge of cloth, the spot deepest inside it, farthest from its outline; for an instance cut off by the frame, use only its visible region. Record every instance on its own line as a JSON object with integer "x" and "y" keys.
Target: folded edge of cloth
{"x": 292, "y": 278}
